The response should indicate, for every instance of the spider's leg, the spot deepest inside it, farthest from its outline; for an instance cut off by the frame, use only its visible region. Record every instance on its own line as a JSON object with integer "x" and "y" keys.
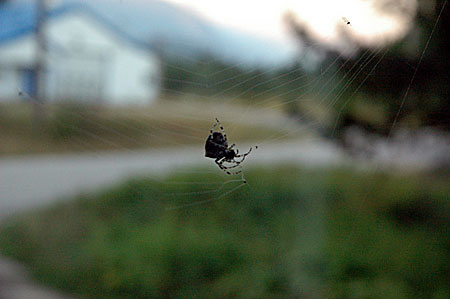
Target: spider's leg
{"x": 226, "y": 169}
{"x": 236, "y": 164}
{"x": 239, "y": 170}
{"x": 215, "y": 125}
{"x": 220, "y": 161}
{"x": 233, "y": 173}
{"x": 221, "y": 128}
{"x": 244, "y": 155}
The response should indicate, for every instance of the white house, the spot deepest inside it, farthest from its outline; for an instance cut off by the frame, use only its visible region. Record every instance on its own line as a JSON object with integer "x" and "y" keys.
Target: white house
{"x": 87, "y": 57}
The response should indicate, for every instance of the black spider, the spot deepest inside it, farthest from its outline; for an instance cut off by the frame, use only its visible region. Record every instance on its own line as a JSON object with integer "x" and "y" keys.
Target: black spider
{"x": 216, "y": 147}
{"x": 346, "y": 21}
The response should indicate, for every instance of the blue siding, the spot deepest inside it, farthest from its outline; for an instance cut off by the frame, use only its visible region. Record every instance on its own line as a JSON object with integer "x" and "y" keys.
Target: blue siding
{"x": 29, "y": 81}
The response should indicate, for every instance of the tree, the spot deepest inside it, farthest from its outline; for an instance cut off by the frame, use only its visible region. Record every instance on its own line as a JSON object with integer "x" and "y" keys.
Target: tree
{"x": 409, "y": 80}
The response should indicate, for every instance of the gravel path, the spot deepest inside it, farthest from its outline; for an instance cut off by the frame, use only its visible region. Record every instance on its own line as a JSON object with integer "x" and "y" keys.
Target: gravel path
{"x": 26, "y": 182}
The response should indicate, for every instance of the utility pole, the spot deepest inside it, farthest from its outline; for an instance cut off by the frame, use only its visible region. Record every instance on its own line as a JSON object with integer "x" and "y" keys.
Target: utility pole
{"x": 40, "y": 64}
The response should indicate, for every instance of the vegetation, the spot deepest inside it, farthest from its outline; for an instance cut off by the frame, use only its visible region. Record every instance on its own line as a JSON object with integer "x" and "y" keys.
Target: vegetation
{"x": 290, "y": 233}
{"x": 407, "y": 81}
{"x": 74, "y": 127}
{"x": 210, "y": 77}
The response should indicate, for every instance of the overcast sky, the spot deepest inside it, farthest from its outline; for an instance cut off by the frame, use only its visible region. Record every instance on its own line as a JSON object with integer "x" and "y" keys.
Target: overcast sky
{"x": 323, "y": 17}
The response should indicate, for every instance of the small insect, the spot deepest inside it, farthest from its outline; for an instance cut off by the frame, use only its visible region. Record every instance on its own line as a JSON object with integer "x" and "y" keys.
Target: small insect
{"x": 216, "y": 147}
{"x": 346, "y": 21}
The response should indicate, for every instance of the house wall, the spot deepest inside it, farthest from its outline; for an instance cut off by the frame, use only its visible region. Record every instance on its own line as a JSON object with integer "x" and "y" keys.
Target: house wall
{"x": 9, "y": 85}
{"x": 86, "y": 61}
{"x": 120, "y": 70}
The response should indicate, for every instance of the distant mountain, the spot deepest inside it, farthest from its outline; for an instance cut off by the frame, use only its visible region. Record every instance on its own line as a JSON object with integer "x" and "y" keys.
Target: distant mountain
{"x": 183, "y": 32}
{"x": 179, "y": 31}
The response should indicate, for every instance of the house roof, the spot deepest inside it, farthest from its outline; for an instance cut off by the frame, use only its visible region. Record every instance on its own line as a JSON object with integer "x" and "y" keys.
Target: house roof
{"x": 18, "y": 18}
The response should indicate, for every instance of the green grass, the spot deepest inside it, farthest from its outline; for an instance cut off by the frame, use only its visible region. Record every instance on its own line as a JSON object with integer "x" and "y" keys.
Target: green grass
{"x": 291, "y": 233}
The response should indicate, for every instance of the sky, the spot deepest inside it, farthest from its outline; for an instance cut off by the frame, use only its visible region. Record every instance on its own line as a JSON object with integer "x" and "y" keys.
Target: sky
{"x": 373, "y": 23}
{"x": 324, "y": 18}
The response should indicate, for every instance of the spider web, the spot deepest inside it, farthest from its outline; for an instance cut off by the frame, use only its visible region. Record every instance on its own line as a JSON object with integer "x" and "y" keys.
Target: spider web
{"x": 293, "y": 136}
{"x": 254, "y": 104}
{"x": 329, "y": 93}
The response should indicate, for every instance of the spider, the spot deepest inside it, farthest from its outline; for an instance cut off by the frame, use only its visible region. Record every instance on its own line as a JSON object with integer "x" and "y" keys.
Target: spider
{"x": 216, "y": 147}
{"x": 346, "y": 21}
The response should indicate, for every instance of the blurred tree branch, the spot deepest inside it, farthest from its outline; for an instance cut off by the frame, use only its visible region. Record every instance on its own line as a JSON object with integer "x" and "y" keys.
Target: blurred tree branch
{"x": 427, "y": 102}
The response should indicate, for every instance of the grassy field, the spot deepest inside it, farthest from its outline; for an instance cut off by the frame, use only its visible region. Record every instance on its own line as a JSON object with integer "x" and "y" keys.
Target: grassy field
{"x": 290, "y": 233}
{"x": 78, "y": 128}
